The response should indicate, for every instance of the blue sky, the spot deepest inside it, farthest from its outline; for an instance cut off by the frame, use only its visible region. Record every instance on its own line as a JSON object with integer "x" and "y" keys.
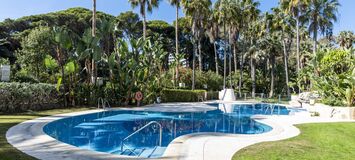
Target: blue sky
{"x": 18, "y": 8}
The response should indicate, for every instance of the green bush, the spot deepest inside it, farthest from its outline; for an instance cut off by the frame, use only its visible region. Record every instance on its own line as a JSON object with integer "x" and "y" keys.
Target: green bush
{"x": 24, "y": 77}
{"x": 17, "y": 97}
{"x": 208, "y": 79}
{"x": 212, "y": 95}
{"x": 335, "y": 81}
{"x": 179, "y": 95}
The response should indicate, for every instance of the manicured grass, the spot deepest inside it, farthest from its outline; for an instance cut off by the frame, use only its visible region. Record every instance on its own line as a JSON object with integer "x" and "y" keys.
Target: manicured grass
{"x": 323, "y": 141}
{"x": 7, "y": 152}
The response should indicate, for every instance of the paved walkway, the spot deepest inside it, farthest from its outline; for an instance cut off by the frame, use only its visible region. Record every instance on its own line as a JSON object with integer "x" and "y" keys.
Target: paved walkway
{"x": 30, "y": 138}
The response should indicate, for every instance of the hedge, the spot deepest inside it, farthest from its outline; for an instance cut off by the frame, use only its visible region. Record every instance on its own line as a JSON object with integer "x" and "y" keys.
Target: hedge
{"x": 179, "y": 95}
{"x": 18, "y": 97}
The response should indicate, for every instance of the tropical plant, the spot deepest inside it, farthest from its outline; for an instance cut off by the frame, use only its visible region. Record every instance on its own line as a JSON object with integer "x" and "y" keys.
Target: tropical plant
{"x": 62, "y": 46}
{"x": 177, "y": 4}
{"x": 336, "y": 81}
{"x": 296, "y": 8}
{"x": 197, "y": 11}
{"x": 321, "y": 16}
{"x": 144, "y": 6}
{"x": 136, "y": 70}
{"x": 346, "y": 39}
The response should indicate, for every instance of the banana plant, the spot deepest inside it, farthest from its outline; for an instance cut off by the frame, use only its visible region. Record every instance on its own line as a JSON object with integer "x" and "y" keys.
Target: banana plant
{"x": 138, "y": 69}
{"x": 89, "y": 48}
{"x": 62, "y": 46}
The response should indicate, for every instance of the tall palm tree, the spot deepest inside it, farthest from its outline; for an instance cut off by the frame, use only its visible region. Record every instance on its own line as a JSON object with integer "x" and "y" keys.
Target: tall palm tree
{"x": 212, "y": 33}
{"x": 224, "y": 13}
{"x": 93, "y": 76}
{"x": 296, "y": 8}
{"x": 281, "y": 23}
{"x": 197, "y": 11}
{"x": 176, "y": 3}
{"x": 251, "y": 14}
{"x": 322, "y": 14}
{"x": 144, "y": 6}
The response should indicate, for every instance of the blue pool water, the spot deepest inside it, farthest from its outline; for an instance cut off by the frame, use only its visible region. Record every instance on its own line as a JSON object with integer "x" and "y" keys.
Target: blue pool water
{"x": 104, "y": 131}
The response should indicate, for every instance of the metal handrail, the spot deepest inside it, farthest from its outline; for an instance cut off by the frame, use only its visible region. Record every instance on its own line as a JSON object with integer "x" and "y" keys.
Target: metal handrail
{"x": 104, "y": 102}
{"x": 148, "y": 124}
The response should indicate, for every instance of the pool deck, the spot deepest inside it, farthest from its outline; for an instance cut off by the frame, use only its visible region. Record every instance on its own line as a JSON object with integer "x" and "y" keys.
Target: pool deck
{"x": 29, "y": 137}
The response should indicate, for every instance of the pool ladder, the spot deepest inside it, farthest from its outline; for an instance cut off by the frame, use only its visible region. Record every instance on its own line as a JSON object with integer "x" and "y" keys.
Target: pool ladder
{"x": 102, "y": 103}
{"x": 145, "y": 126}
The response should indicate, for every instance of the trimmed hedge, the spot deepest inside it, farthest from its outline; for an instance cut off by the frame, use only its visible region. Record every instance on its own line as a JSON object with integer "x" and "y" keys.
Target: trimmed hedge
{"x": 212, "y": 95}
{"x": 18, "y": 97}
{"x": 179, "y": 95}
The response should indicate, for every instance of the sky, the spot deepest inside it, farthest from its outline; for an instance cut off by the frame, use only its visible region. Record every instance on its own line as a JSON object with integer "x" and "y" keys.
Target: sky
{"x": 17, "y": 8}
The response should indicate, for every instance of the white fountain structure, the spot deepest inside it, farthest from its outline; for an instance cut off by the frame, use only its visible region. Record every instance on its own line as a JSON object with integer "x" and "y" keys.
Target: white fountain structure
{"x": 226, "y": 95}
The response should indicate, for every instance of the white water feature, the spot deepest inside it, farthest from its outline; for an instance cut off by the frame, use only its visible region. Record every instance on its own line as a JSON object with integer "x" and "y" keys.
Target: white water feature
{"x": 226, "y": 95}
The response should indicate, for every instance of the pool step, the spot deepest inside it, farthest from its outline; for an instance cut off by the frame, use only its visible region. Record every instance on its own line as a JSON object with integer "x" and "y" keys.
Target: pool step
{"x": 158, "y": 151}
{"x": 143, "y": 152}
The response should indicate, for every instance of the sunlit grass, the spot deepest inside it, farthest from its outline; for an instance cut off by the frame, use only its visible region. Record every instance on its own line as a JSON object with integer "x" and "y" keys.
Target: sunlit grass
{"x": 324, "y": 141}
{"x": 7, "y": 152}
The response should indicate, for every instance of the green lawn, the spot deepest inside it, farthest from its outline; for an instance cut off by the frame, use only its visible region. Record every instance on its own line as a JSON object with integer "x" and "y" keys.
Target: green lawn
{"x": 7, "y": 152}
{"x": 317, "y": 142}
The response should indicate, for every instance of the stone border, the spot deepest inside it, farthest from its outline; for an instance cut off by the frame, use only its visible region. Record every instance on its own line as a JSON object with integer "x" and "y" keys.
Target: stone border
{"x": 30, "y": 138}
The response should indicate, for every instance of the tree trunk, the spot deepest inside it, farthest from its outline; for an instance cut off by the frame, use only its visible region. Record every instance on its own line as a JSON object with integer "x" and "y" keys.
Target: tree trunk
{"x": 286, "y": 67}
{"x": 230, "y": 70}
{"x": 235, "y": 57}
{"x": 230, "y": 56}
{"x": 199, "y": 55}
{"x": 193, "y": 65}
{"x": 298, "y": 50}
{"x": 64, "y": 86}
{"x": 177, "y": 41}
{"x": 241, "y": 61}
{"x": 144, "y": 23}
{"x": 93, "y": 64}
{"x": 252, "y": 73}
{"x": 224, "y": 57}
{"x": 298, "y": 43}
{"x": 314, "y": 42}
{"x": 271, "y": 94}
{"x": 315, "y": 51}
{"x": 215, "y": 56}
{"x": 93, "y": 27}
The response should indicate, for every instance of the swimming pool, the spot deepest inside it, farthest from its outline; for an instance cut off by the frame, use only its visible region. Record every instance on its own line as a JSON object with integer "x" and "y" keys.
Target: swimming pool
{"x": 107, "y": 131}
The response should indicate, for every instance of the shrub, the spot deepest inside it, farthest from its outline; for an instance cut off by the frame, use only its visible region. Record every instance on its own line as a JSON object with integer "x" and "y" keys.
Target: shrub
{"x": 212, "y": 95}
{"x": 179, "y": 95}
{"x": 17, "y": 97}
{"x": 208, "y": 79}
{"x": 24, "y": 77}
{"x": 335, "y": 81}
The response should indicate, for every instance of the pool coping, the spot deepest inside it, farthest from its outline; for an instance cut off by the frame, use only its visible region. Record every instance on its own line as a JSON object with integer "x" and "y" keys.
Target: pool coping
{"x": 30, "y": 138}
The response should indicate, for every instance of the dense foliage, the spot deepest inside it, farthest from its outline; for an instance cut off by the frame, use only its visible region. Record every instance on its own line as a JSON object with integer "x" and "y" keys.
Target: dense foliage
{"x": 336, "y": 77}
{"x": 180, "y": 95}
{"x": 234, "y": 44}
{"x": 16, "y": 97}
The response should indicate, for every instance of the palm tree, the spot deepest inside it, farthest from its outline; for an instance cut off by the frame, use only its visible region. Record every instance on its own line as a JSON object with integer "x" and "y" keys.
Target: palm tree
{"x": 296, "y": 8}
{"x": 251, "y": 14}
{"x": 144, "y": 6}
{"x": 197, "y": 11}
{"x": 346, "y": 39}
{"x": 322, "y": 14}
{"x": 212, "y": 33}
{"x": 281, "y": 22}
{"x": 62, "y": 45}
{"x": 93, "y": 32}
{"x": 224, "y": 10}
{"x": 176, "y": 3}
